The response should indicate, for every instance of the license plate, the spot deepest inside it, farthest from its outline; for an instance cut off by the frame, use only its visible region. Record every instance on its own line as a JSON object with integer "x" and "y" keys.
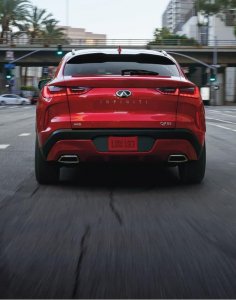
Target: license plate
{"x": 123, "y": 143}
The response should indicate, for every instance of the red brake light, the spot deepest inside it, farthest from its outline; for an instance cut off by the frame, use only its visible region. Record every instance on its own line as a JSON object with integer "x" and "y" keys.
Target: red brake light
{"x": 78, "y": 90}
{"x": 168, "y": 90}
{"x": 51, "y": 91}
{"x": 189, "y": 92}
{"x": 192, "y": 92}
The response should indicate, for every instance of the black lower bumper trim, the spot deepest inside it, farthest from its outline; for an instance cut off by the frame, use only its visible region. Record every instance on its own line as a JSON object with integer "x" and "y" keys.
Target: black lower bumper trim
{"x": 91, "y": 134}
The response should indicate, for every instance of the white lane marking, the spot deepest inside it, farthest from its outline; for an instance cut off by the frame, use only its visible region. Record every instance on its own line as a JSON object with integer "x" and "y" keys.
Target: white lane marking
{"x": 220, "y": 120}
{"x": 227, "y": 115}
{"x": 24, "y": 134}
{"x": 2, "y": 147}
{"x": 211, "y": 110}
{"x": 223, "y": 127}
{"x": 223, "y": 114}
{"x": 229, "y": 111}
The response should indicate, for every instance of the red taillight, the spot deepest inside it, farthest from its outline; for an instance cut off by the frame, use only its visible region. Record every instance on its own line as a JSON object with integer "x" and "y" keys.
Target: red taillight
{"x": 78, "y": 90}
{"x": 189, "y": 92}
{"x": 168, "y": 90}
{"x": 192, "y": 92}
{"x": 50, "y": 91}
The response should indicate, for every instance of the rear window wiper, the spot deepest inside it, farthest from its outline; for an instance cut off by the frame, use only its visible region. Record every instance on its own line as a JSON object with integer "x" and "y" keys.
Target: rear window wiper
{"x": 138, "y": 72}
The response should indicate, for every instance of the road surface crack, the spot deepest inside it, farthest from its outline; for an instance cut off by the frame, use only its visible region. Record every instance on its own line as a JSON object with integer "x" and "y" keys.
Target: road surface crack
{"x": 83, "y": 249}
{"x": 34, "y": 191}
{"x": 114, "y": 209}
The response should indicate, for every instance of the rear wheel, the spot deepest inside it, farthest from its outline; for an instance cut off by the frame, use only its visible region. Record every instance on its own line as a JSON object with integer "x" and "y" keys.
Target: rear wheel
{"x": 23, "y": 103}
{"x": 3, "y": 102}
{"x": 193, "y": 171}
{"x": 45, "y": 172}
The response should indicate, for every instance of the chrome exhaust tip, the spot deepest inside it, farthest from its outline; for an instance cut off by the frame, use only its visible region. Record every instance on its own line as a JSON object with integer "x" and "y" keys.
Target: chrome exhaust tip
{"x": 177, "y": 158}
{"x": 69, "y": 159}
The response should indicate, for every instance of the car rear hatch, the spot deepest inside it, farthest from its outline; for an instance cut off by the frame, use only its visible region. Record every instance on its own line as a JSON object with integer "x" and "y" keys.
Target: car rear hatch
{"x": 122, "y": 91}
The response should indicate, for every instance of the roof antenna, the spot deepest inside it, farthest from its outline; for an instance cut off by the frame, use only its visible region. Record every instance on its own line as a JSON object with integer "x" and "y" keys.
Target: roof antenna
{"x": 119, "y": 49}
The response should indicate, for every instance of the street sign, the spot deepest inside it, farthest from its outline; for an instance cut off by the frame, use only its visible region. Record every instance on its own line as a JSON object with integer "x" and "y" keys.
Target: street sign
{"x": 9, "y": 55}
{"x": 45, "y": 70}
{"x": 205, "y": 93}
{"x": 216, "y": 66}
{"x": 216, "y": 87}
{"x": 9, "y": 66}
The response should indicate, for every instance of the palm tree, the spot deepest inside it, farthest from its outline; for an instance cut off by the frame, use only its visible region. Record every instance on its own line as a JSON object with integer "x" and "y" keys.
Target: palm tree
{"x": 36, "y": 20}
{"x": 12, "y": 13}
{"x": 53, "y": 34}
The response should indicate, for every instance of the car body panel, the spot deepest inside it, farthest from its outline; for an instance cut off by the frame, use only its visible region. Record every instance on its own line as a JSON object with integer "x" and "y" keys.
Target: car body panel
{"x": 87, "y": 151}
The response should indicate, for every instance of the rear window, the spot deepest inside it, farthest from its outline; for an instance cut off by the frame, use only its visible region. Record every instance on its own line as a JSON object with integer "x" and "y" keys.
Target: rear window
{"x": 123, "y": 64}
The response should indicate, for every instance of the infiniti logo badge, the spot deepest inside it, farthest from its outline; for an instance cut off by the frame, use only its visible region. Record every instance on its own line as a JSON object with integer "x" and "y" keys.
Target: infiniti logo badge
{"x": 123, "y": 93}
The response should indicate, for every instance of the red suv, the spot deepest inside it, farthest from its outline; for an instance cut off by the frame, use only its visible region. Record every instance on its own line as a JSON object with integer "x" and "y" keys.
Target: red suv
{"x": 111, "y": 105}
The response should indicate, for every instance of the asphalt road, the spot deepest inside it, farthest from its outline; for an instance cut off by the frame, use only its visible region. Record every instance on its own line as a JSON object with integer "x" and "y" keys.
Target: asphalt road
{"x": 117, "y": 232}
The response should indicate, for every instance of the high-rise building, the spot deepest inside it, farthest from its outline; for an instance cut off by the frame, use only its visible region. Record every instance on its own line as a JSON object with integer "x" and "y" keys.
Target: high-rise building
{"x": 181, "y": 17}
{"x": 176, "y": 13}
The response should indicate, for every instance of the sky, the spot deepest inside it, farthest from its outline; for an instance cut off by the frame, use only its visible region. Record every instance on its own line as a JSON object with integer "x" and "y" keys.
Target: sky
{"x": 127, "y": 19}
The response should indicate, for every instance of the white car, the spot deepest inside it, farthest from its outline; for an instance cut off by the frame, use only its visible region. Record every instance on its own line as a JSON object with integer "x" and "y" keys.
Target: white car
{"x": 13, "y": 99}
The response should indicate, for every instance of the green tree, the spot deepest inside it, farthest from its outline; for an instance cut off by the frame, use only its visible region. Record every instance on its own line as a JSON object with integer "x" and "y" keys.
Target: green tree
{"x": 36, "y": 21}
{"x": 209, "y": 7}
{"x": 165, "y": 37}
{"x": 212, "y": 7}
{"x": 52, "y": 33}
{"x": 12, "y": 13}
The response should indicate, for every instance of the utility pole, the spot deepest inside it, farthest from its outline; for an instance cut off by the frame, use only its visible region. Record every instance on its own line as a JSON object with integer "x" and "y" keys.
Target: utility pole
{"x": 67, "y": 17}
{"x": 215, "y": 60}
{"x": 67, "y": 13}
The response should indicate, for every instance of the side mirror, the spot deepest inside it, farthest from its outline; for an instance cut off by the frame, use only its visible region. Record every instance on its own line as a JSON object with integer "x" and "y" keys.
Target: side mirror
{"x": 43, "y": 82}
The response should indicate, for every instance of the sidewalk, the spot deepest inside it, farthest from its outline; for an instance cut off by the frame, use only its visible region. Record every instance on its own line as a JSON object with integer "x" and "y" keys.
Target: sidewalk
{"x": 229, "y": 103}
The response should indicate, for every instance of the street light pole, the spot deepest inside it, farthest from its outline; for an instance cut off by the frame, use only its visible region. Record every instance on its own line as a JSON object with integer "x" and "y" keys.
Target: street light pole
{"x": 215, "y": 60}
{"x": 28, "y": 54}
{"x": 67, "y": 17}
{"x": 67, "y": 13}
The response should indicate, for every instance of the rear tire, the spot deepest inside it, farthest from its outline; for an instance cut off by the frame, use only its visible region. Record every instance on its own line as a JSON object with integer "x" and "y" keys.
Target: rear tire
{"x": 45, "y": 172}
{"x": 3, "y": 103}
{"x": 193, "y": 171}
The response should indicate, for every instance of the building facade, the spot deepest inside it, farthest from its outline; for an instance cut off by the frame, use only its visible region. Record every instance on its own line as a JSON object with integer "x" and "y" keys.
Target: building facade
{"x": 175, "y": 14}
{"x": 181, "y": 17}
{"x": 78, "y": 36}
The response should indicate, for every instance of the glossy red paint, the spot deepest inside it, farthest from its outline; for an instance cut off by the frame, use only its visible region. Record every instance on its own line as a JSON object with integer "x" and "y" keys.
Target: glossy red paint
{"x": 86, "y": 151}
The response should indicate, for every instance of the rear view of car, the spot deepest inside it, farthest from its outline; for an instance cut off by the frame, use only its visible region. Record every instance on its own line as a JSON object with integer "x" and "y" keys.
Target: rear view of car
{"x": 107, "y": 105}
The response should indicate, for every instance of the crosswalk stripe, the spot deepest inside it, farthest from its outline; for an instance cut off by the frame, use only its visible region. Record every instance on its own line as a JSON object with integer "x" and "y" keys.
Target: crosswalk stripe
{"x": 24, "y": 134}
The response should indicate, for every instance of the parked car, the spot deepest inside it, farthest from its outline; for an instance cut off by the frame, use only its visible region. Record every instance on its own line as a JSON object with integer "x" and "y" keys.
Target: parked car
{"x": 13, "y": 99}
{"x": 34, "y": 99}
{"x": 119, "y": 104}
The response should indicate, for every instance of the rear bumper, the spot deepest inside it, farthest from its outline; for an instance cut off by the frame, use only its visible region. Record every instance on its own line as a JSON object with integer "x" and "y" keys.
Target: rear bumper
{"x": 91, "y": 144}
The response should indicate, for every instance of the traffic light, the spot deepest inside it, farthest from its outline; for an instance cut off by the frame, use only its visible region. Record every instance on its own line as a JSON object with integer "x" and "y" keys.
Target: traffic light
{"x": 59, "y": 50}
{"x": 213, "y": 76}
{"x": 8, "y": 74}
